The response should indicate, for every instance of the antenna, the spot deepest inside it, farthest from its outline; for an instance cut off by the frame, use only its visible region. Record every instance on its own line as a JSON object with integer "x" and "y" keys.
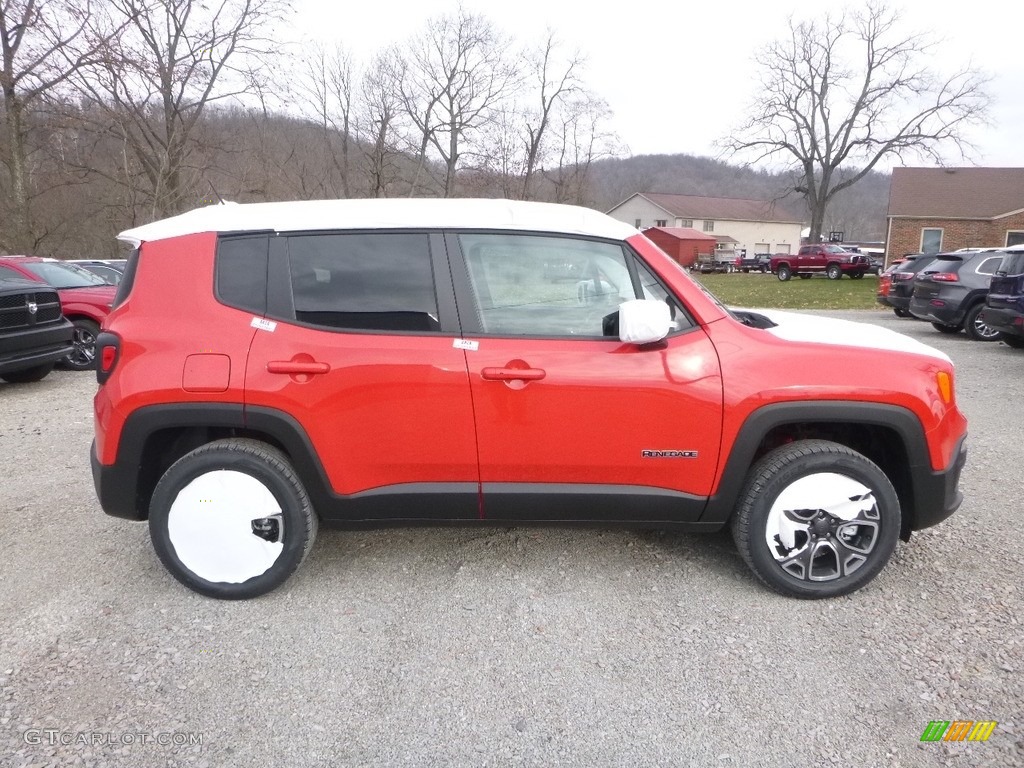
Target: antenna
{"x": 215, "y": 192}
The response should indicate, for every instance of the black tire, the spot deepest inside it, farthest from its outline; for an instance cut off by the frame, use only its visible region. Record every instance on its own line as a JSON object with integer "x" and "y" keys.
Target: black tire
{"x": 833, "y": 272}
{"x": 943, "y": 328}
{"x": 295, "y": 525}
{"x": 784, "y": 273}
{"x": 975, "y": 328}
{"x": 900, "y": 312}
{"x": 763, "y": 270}
{"x": 805, "y": 276}
{"x": 83, "y": 356}
{"x": 28, "y": 375}
{"x": 856, "y": 275}
{"x": 1017, "y": 342}
{"x": 857, "y": 550}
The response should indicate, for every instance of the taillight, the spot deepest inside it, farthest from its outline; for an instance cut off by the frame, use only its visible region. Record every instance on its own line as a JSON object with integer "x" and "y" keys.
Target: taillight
{"x": 108, "y": 352}
{"x": 945, "y": 277}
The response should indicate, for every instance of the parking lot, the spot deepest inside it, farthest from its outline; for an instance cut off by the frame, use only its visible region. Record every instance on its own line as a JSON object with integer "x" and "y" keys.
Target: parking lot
{"x": 497, "y": 646}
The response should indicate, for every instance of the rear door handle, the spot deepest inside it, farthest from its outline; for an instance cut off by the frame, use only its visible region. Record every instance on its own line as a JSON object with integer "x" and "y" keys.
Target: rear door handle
{"x": 513, "y": 374}
{"x": 297, "y": 366}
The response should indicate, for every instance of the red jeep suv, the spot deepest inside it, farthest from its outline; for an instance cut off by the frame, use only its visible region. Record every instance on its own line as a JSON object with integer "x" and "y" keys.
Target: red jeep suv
{"x": 383, "y": 362}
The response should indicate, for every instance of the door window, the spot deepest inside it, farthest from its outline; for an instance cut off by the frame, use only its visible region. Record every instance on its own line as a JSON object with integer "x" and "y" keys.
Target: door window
{"x": 370, "y": 282}
{"x": 529, "y": 285}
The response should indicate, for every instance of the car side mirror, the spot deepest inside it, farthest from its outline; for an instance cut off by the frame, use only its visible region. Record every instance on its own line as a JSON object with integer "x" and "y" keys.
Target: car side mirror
{"x": 644, "y": 321}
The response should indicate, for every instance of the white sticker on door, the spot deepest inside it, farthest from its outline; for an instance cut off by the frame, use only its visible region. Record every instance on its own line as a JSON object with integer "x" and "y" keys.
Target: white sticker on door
{"x": 262, "y": 324}
{"x": 468, "y": 344}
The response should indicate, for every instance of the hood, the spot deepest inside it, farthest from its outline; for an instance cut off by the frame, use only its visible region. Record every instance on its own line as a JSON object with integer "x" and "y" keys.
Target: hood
{"x": 815, "y": 329}
{"x": 92, "y": 294}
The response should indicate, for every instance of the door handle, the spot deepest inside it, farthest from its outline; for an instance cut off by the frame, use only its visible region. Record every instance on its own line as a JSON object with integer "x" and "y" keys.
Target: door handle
{"x": 513, "y": 374}
{"x": 297, "y": 366}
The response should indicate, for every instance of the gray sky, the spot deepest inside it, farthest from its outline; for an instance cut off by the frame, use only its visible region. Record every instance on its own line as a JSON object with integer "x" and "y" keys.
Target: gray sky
{"x": 679, "y": 75}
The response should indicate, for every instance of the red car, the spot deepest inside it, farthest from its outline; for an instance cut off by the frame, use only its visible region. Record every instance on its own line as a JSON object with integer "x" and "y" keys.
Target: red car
{"x": 86, "y": 299}
{"x": 383, "y": 362}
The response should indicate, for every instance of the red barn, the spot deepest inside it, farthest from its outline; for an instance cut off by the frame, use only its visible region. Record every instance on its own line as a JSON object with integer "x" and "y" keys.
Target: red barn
{"x": 682, "y": 243}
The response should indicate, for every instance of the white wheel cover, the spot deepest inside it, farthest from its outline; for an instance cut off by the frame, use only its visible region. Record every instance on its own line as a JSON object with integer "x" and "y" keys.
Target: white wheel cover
{"x": 827, "y": 491}
{"x": 210, "y": 527}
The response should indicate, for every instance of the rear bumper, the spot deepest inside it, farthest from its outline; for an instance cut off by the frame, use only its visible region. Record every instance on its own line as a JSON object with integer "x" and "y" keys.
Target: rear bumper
{"x": 1005, "y": 320}
{"x": 937, "y": 495}
{"x": 925, "y": 310}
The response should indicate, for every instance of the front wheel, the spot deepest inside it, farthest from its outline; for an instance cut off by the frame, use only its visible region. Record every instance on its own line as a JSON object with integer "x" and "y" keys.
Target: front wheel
{"x": 816, "y": 519}
{"x": 943, "y": 328}
{"x": 900, "y": 312}
{"x": 975, "y": 327}
{"x": 231, "y": 519}
{"x": 833, "y": 272}
{"x": 83, "y": 338}
{"x": 784, "y": 273}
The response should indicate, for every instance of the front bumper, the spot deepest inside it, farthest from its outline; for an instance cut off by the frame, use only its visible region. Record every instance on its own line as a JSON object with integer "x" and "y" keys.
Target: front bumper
{"x": 937, "y": 495}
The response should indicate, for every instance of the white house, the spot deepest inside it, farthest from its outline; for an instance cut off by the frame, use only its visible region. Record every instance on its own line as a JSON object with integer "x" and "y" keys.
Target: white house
{"x": 756, "y": 226}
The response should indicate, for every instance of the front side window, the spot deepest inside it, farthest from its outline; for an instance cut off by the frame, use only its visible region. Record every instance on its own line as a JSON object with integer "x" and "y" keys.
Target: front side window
{"x": 529, "y": 285}
{"x": 931, "y": 240}
{"x": 64, "y": 275}
{"x": 370, "y": 282}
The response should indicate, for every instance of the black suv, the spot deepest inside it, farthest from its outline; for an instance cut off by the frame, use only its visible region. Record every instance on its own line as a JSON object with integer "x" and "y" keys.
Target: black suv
{"x": 901, "y": 283}
{"x": 1004, "y": 307}
{"x": 34, "y": 335}
{"x": 950, "y": 292}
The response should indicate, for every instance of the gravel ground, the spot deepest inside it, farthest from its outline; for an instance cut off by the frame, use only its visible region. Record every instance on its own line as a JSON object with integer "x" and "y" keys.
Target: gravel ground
{"x": 503, "y": 646}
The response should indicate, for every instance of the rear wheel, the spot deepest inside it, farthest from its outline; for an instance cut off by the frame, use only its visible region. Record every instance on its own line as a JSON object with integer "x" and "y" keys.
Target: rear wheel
{"x": 231, "y": 519}
{"x": 943, "y": 328}
{"x": 833, "y": 272}
{"x": 856, "y": 275}
{"x": 29, "y": 375}
{"x": 784, "y": 273}
{"x": 974, "y": 325}
{"x": 816, "y": 519}
{"x": 900, "y": 312}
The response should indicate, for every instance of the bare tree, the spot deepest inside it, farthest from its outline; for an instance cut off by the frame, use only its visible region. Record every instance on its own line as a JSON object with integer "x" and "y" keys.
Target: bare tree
{"x": 457, "y": 75}
{"x": 555, "y": 82}
{"x": 382, "y": 105}
{"x": 582, "y": 139}
{"x": 43, "y": 43}
{"x": 840, "y": 95}
{"x": 324, "y": 87}
{"x": 173, "y": 61}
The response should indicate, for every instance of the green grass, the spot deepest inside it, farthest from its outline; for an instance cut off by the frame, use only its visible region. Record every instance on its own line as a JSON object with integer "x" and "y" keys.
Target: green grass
{"x": 737, "y": 289}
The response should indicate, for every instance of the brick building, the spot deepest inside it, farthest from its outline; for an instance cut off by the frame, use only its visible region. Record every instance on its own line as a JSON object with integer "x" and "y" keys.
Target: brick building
{"x": 943, "y": 209}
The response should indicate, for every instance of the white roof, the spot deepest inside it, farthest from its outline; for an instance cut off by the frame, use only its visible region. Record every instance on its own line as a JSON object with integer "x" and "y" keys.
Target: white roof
{"x": 384, "y": 213}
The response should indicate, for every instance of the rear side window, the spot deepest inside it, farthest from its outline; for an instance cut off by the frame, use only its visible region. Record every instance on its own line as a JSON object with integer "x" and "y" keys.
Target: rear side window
{"x": 368, "y": 282}
{"x": 1012, "y": 264}
{"x": 242, "y": 272}
{"x": 989, "y": 265}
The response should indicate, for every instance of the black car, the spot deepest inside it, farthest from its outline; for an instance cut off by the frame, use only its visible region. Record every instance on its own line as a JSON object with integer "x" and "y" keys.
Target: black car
{"x": 34, "y": 335}
{"x": 950, "y": 292}
{"x": 1004, "y": 307}
{"x": 901, "y": 283}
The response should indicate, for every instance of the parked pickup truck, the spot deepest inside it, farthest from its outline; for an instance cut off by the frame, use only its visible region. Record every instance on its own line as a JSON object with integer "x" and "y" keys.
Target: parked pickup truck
{"x": 833, "y": 261}
{"x": 759, "y": 262}
{"x": 34, "y": 335}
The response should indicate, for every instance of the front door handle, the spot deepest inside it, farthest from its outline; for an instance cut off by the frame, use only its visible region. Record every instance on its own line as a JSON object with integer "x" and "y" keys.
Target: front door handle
{"x": 298, "y": 366}
{"x": 513, "y": 374}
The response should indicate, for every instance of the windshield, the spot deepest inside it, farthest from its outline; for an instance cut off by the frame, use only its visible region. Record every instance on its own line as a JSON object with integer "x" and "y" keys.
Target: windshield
{"x": 64, "y": 275}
